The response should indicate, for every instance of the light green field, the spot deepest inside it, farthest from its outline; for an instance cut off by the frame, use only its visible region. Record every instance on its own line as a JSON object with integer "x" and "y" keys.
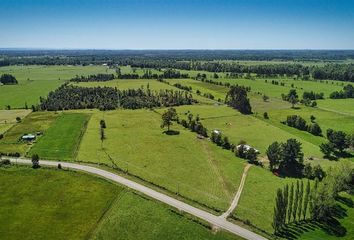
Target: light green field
{"x": 51, "y": 204}
{"x": 61, "y": 140}
{"x": 195, "y": 168}
{"x": 38, "y": 81}
{"x": 136, "y": 217}
{"x": 344, "y": 106}
{"x": 8, "y": 118}
{"x": 256, "y": 132}
{"x": 33, "y": 123}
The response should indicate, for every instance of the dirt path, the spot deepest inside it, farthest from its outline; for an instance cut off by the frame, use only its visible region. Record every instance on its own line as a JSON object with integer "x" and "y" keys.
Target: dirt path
{"x": 238, "y": 193}
{"x": 206, "y": 216}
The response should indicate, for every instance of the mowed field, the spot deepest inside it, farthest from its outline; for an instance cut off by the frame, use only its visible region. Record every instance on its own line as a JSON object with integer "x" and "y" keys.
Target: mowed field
{"x": 194, "y": 168}
{"x": 38, "y": 81}
{"x": 62, "y": 139}
{"x": 59, "y": 204}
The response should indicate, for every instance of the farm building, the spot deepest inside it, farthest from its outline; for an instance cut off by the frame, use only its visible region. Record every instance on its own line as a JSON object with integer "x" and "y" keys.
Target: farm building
{"x": 247, "y": 147}
{"x": 28, "y": 137}
{"x": 216, "y": 131}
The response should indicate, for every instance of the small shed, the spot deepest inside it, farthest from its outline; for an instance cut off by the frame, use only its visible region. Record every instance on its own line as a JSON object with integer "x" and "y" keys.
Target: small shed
{"x": 28, "y": 137}
{"x": 216, "y": 131}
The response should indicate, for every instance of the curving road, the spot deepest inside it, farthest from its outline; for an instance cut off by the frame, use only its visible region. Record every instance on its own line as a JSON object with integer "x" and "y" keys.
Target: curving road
{"x": 206, "y": 216}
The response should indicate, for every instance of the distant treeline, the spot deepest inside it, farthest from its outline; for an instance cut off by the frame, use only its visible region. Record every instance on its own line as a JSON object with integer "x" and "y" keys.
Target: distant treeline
{"x": 106, "y": 98}
{"x": 180, "y": 55}
{"x": 347, "y": 92}
{"x": 96, "y": 78}
{"x": 167, "y": 74}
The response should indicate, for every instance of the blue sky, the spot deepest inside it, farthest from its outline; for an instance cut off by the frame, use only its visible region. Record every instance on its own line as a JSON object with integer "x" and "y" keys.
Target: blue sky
{"x": 177, "y": 24}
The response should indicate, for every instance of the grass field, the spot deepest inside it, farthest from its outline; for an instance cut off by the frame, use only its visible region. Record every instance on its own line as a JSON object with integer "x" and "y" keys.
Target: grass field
{"x": 136, "y": 217}
{"x": 8, "y": 118}
{"x": 73, "y": 205}
{"x": 38, "y": 81}
{"x": 181, "y": 163}
{"x": 51, "y": 204}
{"x": 61, "y": 140}
{"x": 33, "y": 123}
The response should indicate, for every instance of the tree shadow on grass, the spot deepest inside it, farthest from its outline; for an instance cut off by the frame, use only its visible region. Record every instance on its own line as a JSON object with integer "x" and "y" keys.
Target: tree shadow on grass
{"x": 330, "y": 226}
{"x": 171, "y": 132}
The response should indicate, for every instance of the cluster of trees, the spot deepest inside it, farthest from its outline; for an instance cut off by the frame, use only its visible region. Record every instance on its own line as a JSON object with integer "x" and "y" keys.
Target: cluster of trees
{"x": 8, "y": 79}
{"x": 347, "y": 92}
{"x": 195, "y": 125}
{"x": 168, "y": 74}
{"x": 240, "y": 150}
{"x": 317, "y": 203}
{"x": 183, "y": 87}
{"x": 298, "y": 122}
{"x": 341, "y": 72}
{"x": 237, "y": 99}
{"x": 106, "y": 98}
{"x": 338, "y": 141}
{"x": 275, "y": 82}
{"x": 291, "y": 97}
{"x": 291, "y": 205}
{"x": 312, "y": 95}
{"x": 286, "y": 158}
{"x": 101, "y": 77}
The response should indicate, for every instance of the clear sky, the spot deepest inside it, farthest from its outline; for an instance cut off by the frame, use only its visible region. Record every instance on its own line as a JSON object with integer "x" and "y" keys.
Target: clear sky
{"x": 177, "y": 24}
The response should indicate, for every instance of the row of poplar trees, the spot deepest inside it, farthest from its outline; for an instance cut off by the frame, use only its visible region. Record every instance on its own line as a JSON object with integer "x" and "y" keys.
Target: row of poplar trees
{"x": 291, "y": 205}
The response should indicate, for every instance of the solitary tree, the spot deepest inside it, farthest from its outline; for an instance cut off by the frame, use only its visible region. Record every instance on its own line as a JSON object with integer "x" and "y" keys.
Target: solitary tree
{"x": 35, "y": 161}
{"x": 273, "y": 154}
{"x": 167, "y": 118}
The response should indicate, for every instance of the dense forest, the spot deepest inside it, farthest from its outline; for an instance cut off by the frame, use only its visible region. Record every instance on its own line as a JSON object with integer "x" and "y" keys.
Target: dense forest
{"x": 106, "y": 98}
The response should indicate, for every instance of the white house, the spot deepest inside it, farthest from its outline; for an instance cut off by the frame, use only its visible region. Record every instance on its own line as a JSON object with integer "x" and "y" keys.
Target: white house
{"x": 247, "y": 147}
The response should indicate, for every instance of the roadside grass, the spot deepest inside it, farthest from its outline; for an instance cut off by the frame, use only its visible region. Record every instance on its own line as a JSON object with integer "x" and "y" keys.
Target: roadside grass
{"x": 8, "y": 118}
{"x": 51, "y": 204}
{"x": 33, "y": 123}
{"x": 38, "y": 81}
{"x": 183, "y": 164}
{"x": 149, "y": 220}
{"x": 62, "y": 139}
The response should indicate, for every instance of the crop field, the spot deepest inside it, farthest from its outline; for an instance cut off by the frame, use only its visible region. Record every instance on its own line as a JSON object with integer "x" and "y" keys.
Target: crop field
{"x": 182, "y": 163}
{"x": 62, "y": 139}
{"x": 33, "y": 123}
{"x": 38, "y": 81}
{"x": 35, "y": 202}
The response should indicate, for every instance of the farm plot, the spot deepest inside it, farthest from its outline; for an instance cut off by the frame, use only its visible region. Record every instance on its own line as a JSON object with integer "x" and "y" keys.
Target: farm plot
{"x": 62, "y": 139}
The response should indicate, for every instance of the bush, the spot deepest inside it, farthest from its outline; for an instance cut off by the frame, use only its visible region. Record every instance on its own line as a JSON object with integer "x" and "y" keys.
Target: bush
{"x": 5, "y": 162}
{"x": 35, "y": 161}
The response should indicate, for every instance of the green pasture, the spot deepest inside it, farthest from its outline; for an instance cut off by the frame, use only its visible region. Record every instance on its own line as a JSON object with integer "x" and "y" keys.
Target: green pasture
{"x": 38, "y": 81}
{"x": 194, "y": 168}
{"x": 135, "y": 217}
{"x": 51, "y": 204}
